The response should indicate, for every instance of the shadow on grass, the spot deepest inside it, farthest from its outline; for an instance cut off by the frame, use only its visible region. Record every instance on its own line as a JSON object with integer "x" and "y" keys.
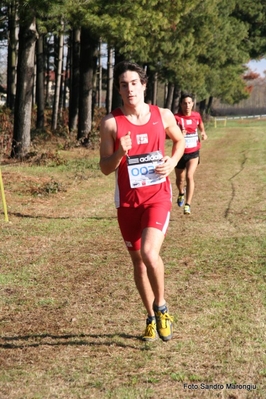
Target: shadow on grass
{"x": 21, "y": 215}
{"x": 233, "y": 191}
{"x": 68, "y": 339}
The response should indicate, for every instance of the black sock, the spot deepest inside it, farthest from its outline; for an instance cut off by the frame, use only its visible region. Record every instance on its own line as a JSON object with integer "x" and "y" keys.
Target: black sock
{"x": 150, "y": 319}
{"x": 162, "y": 309}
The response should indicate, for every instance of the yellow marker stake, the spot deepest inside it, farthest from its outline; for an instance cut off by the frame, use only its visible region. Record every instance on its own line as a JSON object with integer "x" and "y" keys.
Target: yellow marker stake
{"x": 3, "y": 196}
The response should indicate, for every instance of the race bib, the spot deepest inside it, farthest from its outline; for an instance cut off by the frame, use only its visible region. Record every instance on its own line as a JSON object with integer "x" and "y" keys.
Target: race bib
{"x": 191, "y": 140}
{"x": 141, "y": 169}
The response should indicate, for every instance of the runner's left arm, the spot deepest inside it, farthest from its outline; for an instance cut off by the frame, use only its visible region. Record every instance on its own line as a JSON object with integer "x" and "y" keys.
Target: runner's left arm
{"x": 202, "y": 131}
{"x": 174, "y": 133}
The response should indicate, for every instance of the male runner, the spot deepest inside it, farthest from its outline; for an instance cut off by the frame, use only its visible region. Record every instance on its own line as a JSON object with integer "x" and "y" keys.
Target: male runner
{"x": 188, "y": 121}
{"x": 132, "y": 146}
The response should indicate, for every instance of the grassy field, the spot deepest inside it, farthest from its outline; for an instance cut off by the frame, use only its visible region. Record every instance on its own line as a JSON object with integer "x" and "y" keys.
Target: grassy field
{"x": 71, "y": 318}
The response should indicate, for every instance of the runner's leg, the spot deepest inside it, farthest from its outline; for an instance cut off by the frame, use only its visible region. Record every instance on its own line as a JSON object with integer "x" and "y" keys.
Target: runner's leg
{"x": 191, "y": 168}
{"x": 152, "y": 240}
{"x": 149, "y": 269}
{"x": 180, "y": 180}
{"x": 142, "y": 281}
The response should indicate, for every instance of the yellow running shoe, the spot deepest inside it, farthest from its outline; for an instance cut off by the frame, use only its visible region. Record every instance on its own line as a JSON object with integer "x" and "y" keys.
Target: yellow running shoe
{"x": 150, "y": 333}
{"x": 187, "y": 209}
{"x": 164, "y": 325}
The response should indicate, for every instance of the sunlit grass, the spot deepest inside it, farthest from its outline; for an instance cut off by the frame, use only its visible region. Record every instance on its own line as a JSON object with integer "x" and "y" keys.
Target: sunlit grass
{"x": 71, "y": 317}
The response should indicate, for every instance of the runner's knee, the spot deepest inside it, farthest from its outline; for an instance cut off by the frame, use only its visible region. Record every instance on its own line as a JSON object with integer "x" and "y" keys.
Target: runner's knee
{"x": 150, "y": 257}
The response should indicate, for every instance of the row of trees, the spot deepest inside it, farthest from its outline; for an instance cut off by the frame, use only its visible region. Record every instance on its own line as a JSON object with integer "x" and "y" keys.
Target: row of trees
{"x": 197, "y": 46}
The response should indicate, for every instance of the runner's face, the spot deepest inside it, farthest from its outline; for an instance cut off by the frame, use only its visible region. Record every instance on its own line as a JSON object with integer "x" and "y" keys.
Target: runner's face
{"x": 130, "y": 88}
{"x": 187, "y": 105}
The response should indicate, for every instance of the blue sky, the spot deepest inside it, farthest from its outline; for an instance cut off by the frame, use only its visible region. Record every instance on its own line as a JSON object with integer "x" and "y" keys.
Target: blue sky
{"x": 258, "y": 66}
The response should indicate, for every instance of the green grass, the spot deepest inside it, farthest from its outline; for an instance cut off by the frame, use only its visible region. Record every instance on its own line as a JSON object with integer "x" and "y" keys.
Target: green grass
{"x": 70, "y": 315}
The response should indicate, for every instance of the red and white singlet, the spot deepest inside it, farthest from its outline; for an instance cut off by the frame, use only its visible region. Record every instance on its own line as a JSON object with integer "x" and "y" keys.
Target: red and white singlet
{"x": 146, "y": 139}
{"x": 190, "y": 123}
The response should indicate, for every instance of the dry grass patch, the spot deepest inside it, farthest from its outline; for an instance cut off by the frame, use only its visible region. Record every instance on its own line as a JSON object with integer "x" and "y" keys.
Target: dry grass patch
{"x": 71, "y": 318}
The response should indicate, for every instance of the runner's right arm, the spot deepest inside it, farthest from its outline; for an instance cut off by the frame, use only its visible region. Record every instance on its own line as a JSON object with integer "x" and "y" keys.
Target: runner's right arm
{"x": 109, "y": 158}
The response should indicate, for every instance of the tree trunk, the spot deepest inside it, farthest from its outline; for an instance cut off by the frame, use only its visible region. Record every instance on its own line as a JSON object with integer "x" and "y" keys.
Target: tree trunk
{"x": 209, "y": 105}
{"x": 25, "y": 76}
{"x": 12, "y": 54}
{"x": 165, "y": 93}
{"x": 88, "y": 64}
{"x": 155, "y": 88}
{"x": 66, "y": 78}
{"x": 152, "y": 87}
{"x": 100, "y": 80}
{"x": 40, "y": 83}
{"x": 170, "y": 93}
{"x": 47, "y": 73}
{"x": 58, "y": 78}
{"x": 149, "y": 87}
{"x": 116, "y": 98}
{"x": 75, "y": 78}
{"x": 62, "y": 85}
{"x": 175, "y": 100}
{"x": 202, "y": 107}
{"x": 110, "y": 79}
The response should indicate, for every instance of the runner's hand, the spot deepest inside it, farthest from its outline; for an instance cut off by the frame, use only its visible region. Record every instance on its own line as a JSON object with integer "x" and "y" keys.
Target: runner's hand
{"x": 126, "y": 143}
{"x": 165, "y": 168}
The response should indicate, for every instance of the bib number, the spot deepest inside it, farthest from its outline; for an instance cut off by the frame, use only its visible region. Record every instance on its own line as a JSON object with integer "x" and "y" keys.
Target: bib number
{"x": 141, "y": 169}
{"x": 191, "y": 140}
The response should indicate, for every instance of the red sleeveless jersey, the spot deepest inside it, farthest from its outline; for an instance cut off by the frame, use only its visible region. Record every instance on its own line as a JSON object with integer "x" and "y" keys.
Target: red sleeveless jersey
{"x": 190, "y": 123}
{"x": 145, "y": 138}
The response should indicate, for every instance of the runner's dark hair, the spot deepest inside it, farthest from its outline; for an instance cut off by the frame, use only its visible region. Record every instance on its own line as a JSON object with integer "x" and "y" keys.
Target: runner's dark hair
{"x": 125, "y": 66}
